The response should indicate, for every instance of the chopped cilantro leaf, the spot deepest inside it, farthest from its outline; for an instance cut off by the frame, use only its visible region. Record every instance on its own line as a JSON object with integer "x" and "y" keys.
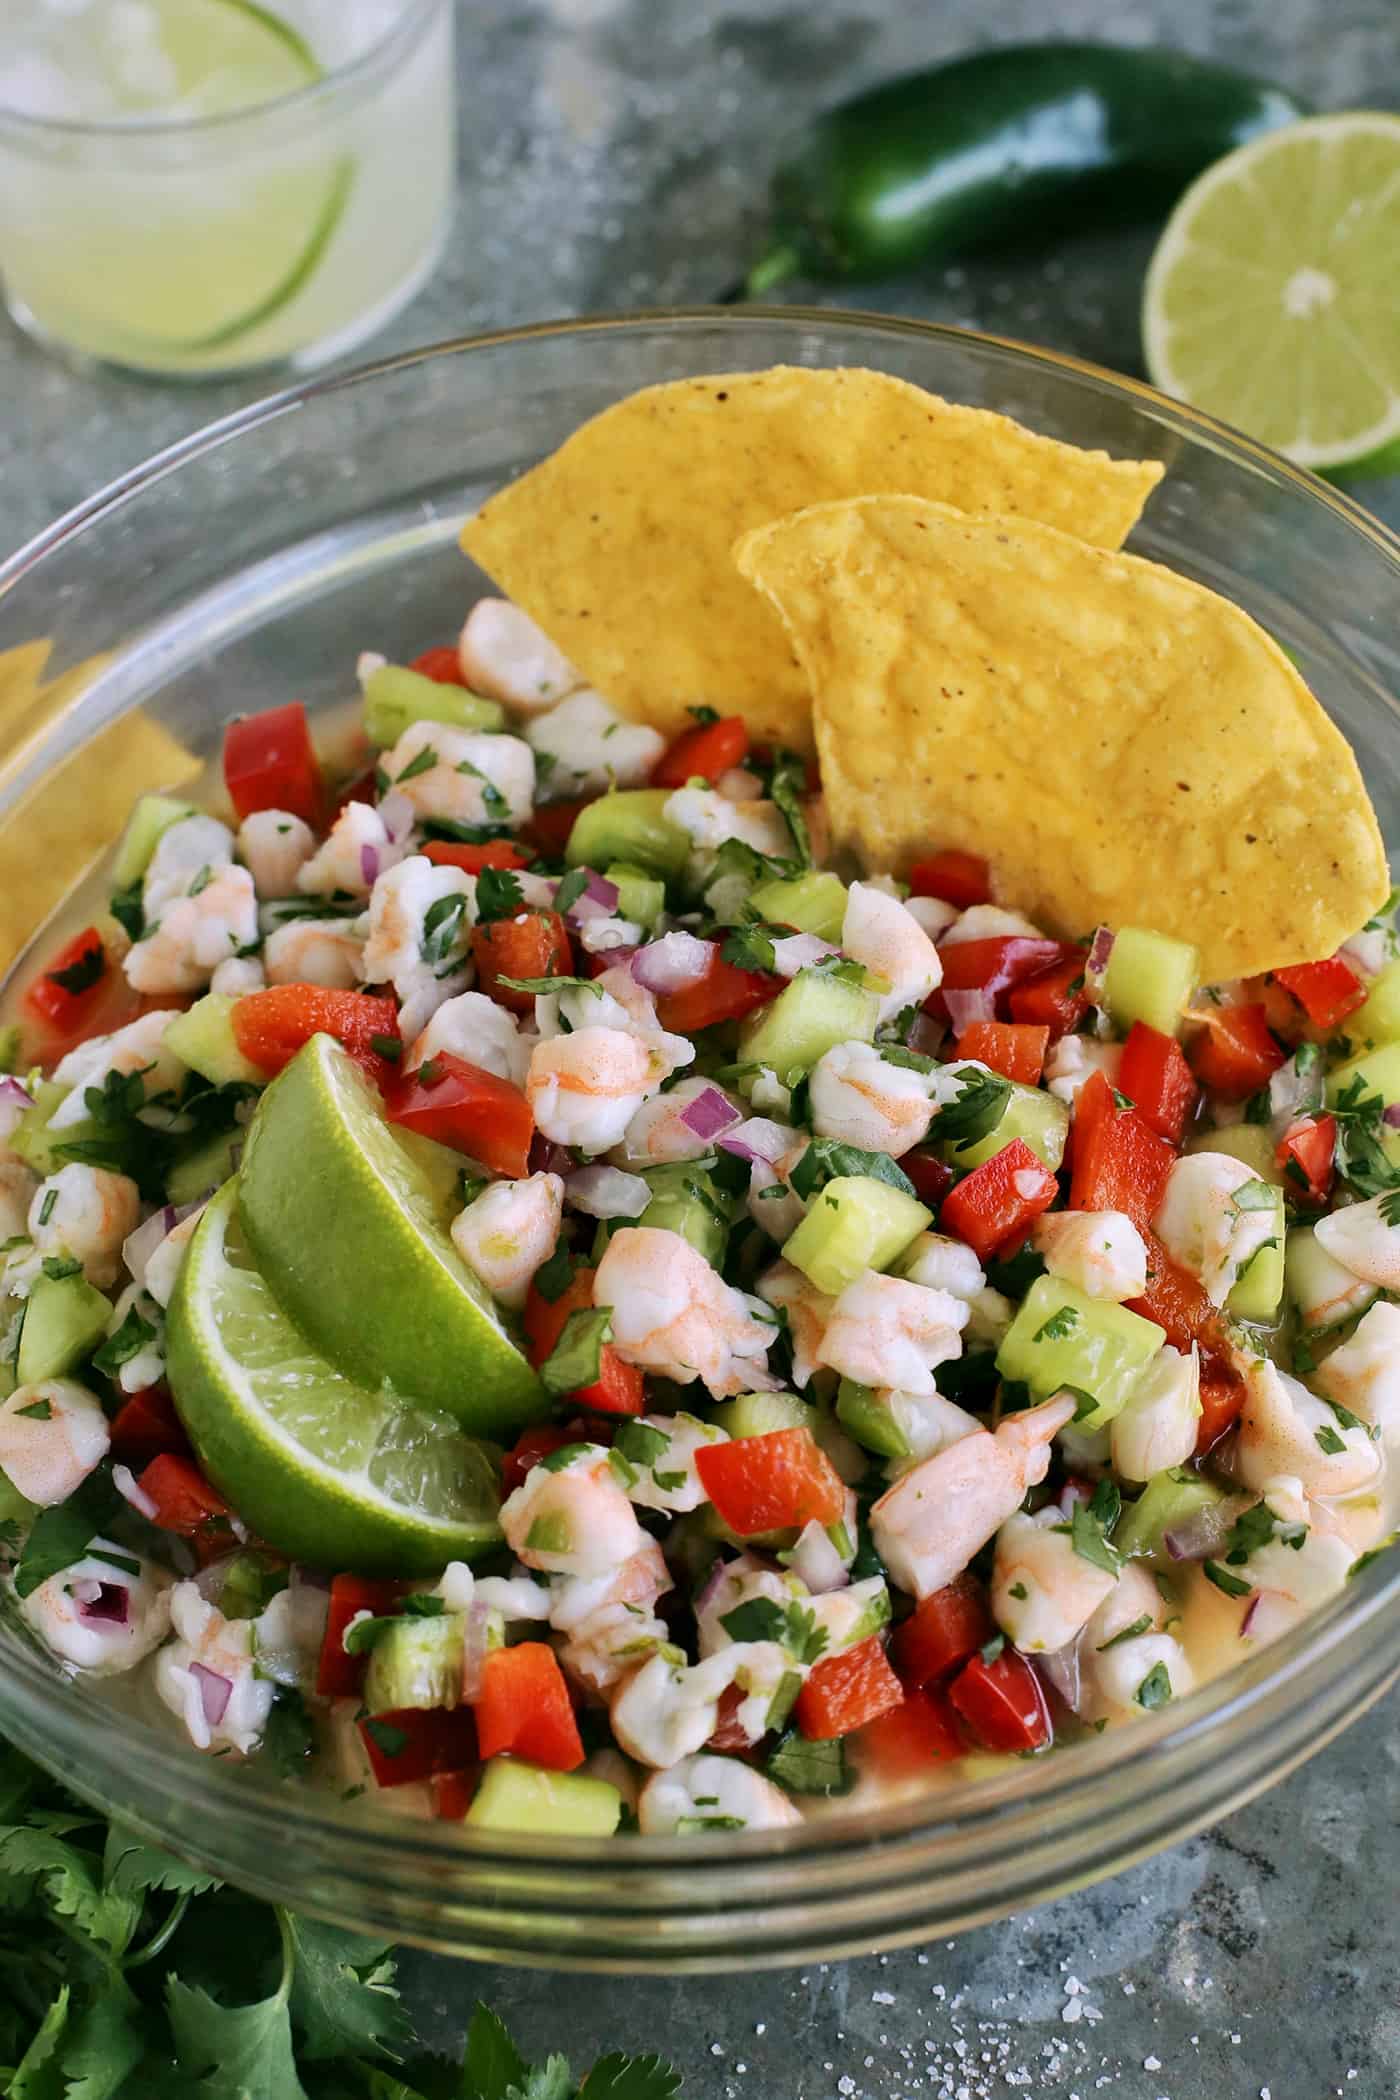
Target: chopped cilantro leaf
{"x": 1231, "y": 1585}
{"x": 1058, "y": 1325}
{"x": 1125, "y": 1633}
{"x": 422, "y": 762}
{"x": 498, "y": 895}
{"x": 1155, "y": 1689}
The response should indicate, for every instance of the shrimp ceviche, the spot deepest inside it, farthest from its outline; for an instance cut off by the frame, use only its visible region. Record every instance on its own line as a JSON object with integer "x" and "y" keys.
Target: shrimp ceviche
{"x": 545, "y": 1285}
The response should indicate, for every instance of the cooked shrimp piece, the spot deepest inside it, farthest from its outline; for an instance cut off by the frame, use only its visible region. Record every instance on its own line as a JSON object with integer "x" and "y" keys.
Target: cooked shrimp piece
{"x": 808, "y": 1312}
{"x": 238, "y": 976}
{"x": 462, "y": 775}
{"x": 1364, "y": 1374}
{"x": 659, "y": 1133}
{"x": 1292, "y": 1575}
{"x": 192, "y": 847}
{"x": 1100, "y": 1252}
{"x": 139, "y": 1047}
{"x": 1073, "y": 1061}
{"x": 592, "y": 746}
{"x": 710, "y": 1789}
{"x": 943, "y": 1264}
{"x": 52, "y": 1436}
{"x": 930, "y": 1523}
{"x": 1286, "y": 1429}
{"x": 1362, "y": 1240}
{"x": 884, "y": 935}
{"x": 585, "y": 1088}
{"x": 1201, "y": 1223}
{"x": 772, "y": 1202}
{"x": 610, "y": 1620}
{"x": 1157, "y": 1428}
{"x": 886, "y": 1331}
{"x": 357, "y": 851}
{"x": 988, "y": 922}
{"x": 860, "y": 1100}
{"x": 85, "y": 1213}
{"x": 747, "y": 1579}
{"x": 572, "y": 1519}
{"x": 274, "y": 847}
{"x": 420, "y": 919}
{"x": 99, "y": 1616}
{"x": 209, "y": 1678}
{"x": 612, "y": 1000}
{"x": 216, "y": 918}
{"x": 17, "y": 1185}
{"x": 473, "y": 1027}
{"x": 1044, "y": 1592}
{"x": 506, "y": 657}
{"x": 932, "y": 914}
{"x": 1326, "y": 1294}
{"x": 708, "y": 819}
{"x": 509, "y": 1231}
{"x": 667, "y": 1710}
{"x": 146, "y": 1366}
{"x": 674, "y": 1314}
{"x": 327, "y": 952}
{"x": 1120, "y": 1661}
{"x": 670, "y": 1479}
{"x": 927, "y": 1422}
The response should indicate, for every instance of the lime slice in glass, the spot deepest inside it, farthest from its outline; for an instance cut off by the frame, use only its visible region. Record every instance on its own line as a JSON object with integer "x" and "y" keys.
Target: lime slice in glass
{"x": 1270, "y": 301}
{"x": 323, "y": 1469}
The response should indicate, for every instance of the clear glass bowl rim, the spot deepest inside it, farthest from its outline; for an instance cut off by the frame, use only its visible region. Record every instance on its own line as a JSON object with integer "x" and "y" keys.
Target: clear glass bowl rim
{"x": 357, "y": 72}
{"x": 835, "y": 1886}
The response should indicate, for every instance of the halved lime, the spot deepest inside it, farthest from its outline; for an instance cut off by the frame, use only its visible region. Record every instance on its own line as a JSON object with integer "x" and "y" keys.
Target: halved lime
{"x": 1271, "y": 300}
{"x": 321, "y": 1468}
{"x": 346, "y": 1227}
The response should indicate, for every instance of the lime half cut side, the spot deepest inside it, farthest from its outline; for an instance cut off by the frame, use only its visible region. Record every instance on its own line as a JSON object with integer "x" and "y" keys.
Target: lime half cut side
{"x": 1270, "y": 300}
{"x": 347, "y": 1228}
{"x": 323, "y": 1469}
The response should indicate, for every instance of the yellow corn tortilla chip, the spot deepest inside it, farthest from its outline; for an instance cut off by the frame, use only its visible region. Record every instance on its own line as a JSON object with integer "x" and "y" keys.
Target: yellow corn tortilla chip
{"x": 1121, "y": 744}
{"x": 619, "y": 543}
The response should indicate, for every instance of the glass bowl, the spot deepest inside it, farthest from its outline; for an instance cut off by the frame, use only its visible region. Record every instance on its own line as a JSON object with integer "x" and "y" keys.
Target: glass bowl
{"x": 252, "y": 563}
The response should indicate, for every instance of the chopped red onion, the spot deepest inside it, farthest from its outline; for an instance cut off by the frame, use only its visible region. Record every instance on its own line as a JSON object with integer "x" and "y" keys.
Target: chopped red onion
{"x": 214, "y": 1692}
{"x": 548, "y": 1158}
{"x": 598, "y": 898}
{"x": 396, "y": 814}
{"x": 1204, "y": 1534}
{"x": 710, "y": 1113}
{"x": 798, "y": 951}
{"x": 140, "y": 1245}
{"x": 758, "y": 1138}
{"x": 927, "y": 1035}
{"x": 475, "y": 1637}
{"x": 966, "y": 1007}
{"x": 1391, "y": 1116}
{"x": 606, "y": 1192}
{"x": 816, "y": 1561}
{"x": 1268, "y": 1614}
{"x": 1060, "y": 1669}
{"x": 1096, "y": 961}
{"x": 131, "y": 1490}
{"x": 369, "y": 865}
{"x": 1293, "y": 1094}
{"x": 111, "y": 1606}
{"x": 673, "y": 963}
{"x": 709, "y": 1588}
{"x": 13, "y": 1095}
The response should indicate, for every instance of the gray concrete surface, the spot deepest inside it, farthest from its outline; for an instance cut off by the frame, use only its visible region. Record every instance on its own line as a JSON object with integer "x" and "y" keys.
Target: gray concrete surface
{"x": 614, "y": 154}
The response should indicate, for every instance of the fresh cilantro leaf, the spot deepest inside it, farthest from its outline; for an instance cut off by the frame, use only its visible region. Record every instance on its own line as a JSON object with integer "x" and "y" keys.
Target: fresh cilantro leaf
{"x": 1019, "y": 1591}
{"x": 704, "y": 715}
{"x": 1125, "y": 1633}
{"x": 343, "y": 1999}
{"x": 442, "y": 923}
{"x": 57, "y": 1267}
{"x": 787, "y": 786}
{"x": 827, "y": 1159}
{"x": 70, "y": 1880}
{"x": 83, "y": 974}
{"x": 977, "y": 1108}
{"x": 1089, "y": 1538}
{"x": 640, "y": 1441}
{"x": 1328, "y": 1441}
{"x": 1259, "y": 1108}
{"x": 750, "y": 948}
{"x": 492, "y": 800}
{"x": 1251, "y": 1530}
{"x": 559, "y": 1461}
{"x": 234, "y": 2052}
{"x": 571, "y": 888}
{"x": 128, "y": 910}
{"x": 289, "y": 1737}
{"x": 38, "y": 2075}
{"x": 1361, "y": 1133}
{"x": 907, "y": 1060}
{"x": 616, "y": 2077}
{"x": 1254, "y": 1195}
{"x": 543, "y": 986}
{"x": 104, "y": 2043}
{"x": 386, "y": 1737}
{"x": 553, "y": 1277}
{"x": 498, "y": 895}
{"x": 1058, "y": 1325}
{"x": 422, "y": 762}
{"x": 62, "y": 1534}
{"x": 1155, "y": 1689}
{"x": 134, "y": 1868}
{"x": 37, "y": 1411}
{"x": 1390, "y": 1207}
{"x": 134, "y": 1335}
{"x": 575, "y": 1358}
{"x": 493, "y": 2064}
{"x": 622, "y": 1469}
{"x": 1230, "y": 1585}
{"x": 1364, "y": 1560}
{"x": 388, "y": 1047}
{"x": 991, "y": 1650}
{"x": 805, "y": 1767}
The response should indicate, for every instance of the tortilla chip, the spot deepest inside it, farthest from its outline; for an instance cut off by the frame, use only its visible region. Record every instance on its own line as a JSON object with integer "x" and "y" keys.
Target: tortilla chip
{"x": 1121, "y": 744}
{"x": 619, "y": 543}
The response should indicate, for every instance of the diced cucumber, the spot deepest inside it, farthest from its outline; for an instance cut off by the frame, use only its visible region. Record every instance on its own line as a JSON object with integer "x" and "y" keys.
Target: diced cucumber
{"x": 640, "y": 897}
{"x": 855, "y": 1224}
{"x": 629, "y": 825}
{"x": 32, "y": 1138}
{"x": 813, "y": 903}
{"x": 203, "y": 1039}
{"x": 1378, "y": 1019}
{"x": 1149, "y": 978}
{"x": 1168, "y": 1501}
{"x": 11, "y": 1047}
{"x": 809, "y": 1017}
{"x": 416, "y": 1662}
{"x": 1030, "y": 1114}
{"x": 205, "y": 1169}
{"x": 64, "y": 1321}
{"x": 760, "y": 1414}
{"x": 1250, "y": 1143}
{"x": 866, "y": 1414}
{"x": 396, "y": 698}
{"x": 514, "y": 1795}
{"x": 252, "y": 1581}
{"x": 685, "y": 1200}
{"x": 1325, "y": 1294}
{"x": 1258, "y": 1290}
{"x": 1379, "y": 1073}
{"x": 1060, "y": 1337}
{"x": 151, "y": 818}
{"x": 15, "y": 1508}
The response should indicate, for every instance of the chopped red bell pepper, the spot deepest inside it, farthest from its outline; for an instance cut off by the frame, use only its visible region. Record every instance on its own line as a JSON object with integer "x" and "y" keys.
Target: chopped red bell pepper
{"x": 932, "y": 1177}
{"x": 618, "y": 1388}
{"x": 549, "y": 826}
{"x": 146, "y": 1425}
{"x": 1119, "y": 1163}
{"x": 1016, "y": 1049}
{"x": 943, "y": 1632}
{"x": 443, "y": 665}
{"x": 1002, "y": 1703}
{"x": 1055, "y": 998}
{"x": 270, "y": 1026}
{"x": 269, "y": 763}
{"x": 186, "y": 1504}
{"x": 958, "y": 878}
{"x": 846, "y": 1692}
{"x": 768, "y": 1483}
{"x": 453, "y": 1794}
{"x": 996, "y": 1204}
{"x": 908, "y": 1739}
{"x": 729, "y": 1733}
{"x": 64, "y": 995}
{"x": 1234, "y": 1054}
{"x": 724, "y": 993}
{"x": 495, "y": 853}
{"x": 532, "y": 944}
{"x": 1175, "y": 1299}
{"x": 361, "y": 787}
{"x": 1157, "y": 1080}
{"x": 1326, "y": 991}
{"x": 1306, "y": 1153}
{"x": 414, "y": 1743}
{"x": 467, "y": 1108}
{"x": 338, "y": 1675}
{"x": 1222, "y": 1398}
{"x": 994, "y": 966}
{"x": 703, "y": 753}
{"x": 524, "y": 1707}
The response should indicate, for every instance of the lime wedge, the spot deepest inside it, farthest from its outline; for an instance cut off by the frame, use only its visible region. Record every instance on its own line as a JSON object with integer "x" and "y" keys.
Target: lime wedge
{"x": 1270, "y": 300}
{"x": 346, "y": 1227}
{"x": 321, "y": 1468}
